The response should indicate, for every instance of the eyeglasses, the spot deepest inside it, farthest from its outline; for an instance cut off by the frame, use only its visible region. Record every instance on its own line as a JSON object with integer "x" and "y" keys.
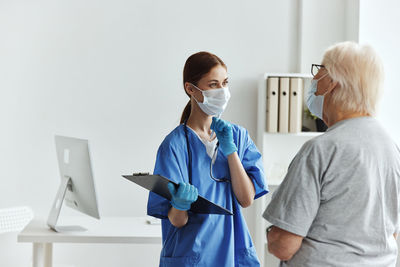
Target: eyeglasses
{"x": 315, "y": 68}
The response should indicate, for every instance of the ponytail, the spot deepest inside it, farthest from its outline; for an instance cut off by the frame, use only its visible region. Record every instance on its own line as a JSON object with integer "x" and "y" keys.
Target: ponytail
{"x": 186, "y": 112}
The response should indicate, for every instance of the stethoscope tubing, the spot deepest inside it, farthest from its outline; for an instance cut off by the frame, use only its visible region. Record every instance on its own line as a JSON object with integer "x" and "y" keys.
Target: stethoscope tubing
{"x": 211, "y": 162}
{"x": 190, "y": 159}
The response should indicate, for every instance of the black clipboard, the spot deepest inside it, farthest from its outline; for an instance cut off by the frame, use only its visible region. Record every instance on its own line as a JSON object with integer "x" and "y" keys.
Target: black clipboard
{"x": 158, "y": 185}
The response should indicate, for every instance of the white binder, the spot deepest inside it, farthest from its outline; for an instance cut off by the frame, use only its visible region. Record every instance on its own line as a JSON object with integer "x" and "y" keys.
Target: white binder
{"x": 272, "y": 104}
{"x": 283, "y": 105}
{"x": 296, "y": 105}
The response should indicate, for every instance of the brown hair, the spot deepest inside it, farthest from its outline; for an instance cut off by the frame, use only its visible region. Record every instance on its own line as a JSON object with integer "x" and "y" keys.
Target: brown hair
{"x": 196, "y": 66}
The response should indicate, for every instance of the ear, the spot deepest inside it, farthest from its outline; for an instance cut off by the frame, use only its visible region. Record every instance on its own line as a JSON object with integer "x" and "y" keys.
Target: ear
{"x": 332, "y": 86}
{"x": 189, "y": 88}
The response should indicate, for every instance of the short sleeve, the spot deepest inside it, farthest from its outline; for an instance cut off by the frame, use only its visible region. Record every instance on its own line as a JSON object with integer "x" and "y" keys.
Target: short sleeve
{"x": 253, "y": 164}
{"x": 295, "y": 203}
{"x": 167, "y": 165}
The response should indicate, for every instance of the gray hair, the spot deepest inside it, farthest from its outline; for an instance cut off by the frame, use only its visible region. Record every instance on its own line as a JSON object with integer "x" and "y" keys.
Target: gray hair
{"x": 359, "y": 73}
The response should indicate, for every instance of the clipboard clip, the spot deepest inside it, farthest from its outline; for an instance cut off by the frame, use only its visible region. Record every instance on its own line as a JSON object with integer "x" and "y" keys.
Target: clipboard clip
{"x": 140, "y": 174}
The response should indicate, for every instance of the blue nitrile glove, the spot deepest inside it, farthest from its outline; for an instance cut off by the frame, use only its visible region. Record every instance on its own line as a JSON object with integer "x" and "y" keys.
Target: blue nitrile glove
{"x": 223, "y": 130}
{"x": 184, "y": 196}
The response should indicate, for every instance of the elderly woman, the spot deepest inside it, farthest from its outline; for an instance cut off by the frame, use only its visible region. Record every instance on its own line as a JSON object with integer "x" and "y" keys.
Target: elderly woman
{"x": 339, "y": 202}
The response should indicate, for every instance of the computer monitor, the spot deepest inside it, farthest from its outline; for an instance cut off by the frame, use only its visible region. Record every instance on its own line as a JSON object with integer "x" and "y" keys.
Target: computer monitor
{"x": 77, "y": 184}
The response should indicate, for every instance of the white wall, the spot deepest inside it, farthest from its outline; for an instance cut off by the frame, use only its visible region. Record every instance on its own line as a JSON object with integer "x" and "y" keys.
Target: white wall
{"x": 380, "y": 32}
{"x": 379, "y": 21}
{"x": 322, "y": 24}
{"x": 110, "y": 71}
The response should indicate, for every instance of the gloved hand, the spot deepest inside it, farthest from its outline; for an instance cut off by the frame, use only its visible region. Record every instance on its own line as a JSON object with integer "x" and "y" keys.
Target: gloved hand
{"x": 223, "y": 130}
{"x": 184, "y": 196}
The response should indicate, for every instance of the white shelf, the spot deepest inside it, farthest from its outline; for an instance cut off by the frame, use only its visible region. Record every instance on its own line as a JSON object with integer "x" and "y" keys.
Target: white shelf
{"x": 290, "y": 75}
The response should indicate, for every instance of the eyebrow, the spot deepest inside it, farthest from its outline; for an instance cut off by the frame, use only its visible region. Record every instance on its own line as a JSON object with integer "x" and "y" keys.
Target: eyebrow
{"x": 217, "y": 80}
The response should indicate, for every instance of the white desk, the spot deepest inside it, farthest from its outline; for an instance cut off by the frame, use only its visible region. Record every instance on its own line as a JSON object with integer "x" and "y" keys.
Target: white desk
{"x": 132, "y": 230}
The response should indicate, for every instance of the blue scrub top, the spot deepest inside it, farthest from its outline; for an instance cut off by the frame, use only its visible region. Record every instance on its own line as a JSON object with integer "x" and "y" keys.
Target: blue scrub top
{"x": 206, "y": 239}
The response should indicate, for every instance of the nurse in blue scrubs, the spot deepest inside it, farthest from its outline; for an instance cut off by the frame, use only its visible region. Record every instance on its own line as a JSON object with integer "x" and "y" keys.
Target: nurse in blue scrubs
{"x": 211, "y": 157}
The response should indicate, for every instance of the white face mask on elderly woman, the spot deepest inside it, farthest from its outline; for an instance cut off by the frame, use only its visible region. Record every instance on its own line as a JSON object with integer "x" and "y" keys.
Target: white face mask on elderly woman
{"x": 214, "y": 100}
{"x": 315, "y": 103}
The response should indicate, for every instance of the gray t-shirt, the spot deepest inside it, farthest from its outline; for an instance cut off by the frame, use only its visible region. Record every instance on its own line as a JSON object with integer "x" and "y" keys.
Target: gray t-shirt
{"x": 341, "y": 193}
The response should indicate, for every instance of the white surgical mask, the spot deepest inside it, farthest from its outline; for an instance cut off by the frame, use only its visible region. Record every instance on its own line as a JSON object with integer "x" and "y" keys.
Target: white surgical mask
{"x": 315, "y": 103}
{"x": 214, "y": 100}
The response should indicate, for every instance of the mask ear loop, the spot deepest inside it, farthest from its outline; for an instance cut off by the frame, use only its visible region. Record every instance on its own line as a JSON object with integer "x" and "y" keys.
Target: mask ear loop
{"x": 323, "y": 76}
{"x": 328, "y": 90}
{"x": 196, "y": 87}
{"x": 199, "y": 90}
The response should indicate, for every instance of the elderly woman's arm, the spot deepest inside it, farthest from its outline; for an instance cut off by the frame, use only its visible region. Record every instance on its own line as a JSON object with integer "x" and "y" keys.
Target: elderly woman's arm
{"x": 283, "y": 244}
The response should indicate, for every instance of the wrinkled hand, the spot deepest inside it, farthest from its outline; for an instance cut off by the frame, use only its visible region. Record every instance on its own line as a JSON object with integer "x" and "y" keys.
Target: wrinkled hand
{"x": 223, "y": 130}
{"x": 184, "y": 196}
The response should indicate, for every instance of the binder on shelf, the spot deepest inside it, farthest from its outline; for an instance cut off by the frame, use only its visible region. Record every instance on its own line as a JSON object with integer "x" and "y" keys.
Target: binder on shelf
{"x": 272, "y": 104}
{"x": 283, "y": 105}
{"x": 296, "y": 105}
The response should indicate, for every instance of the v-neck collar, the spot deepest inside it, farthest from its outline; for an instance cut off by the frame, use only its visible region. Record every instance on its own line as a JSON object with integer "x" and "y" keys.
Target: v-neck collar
{"x": 215, "y": 140}
{"x": 209, "y": 146}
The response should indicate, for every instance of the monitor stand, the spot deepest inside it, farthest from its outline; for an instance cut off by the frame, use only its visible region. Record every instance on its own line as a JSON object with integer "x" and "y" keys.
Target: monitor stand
{"x": 66, "y": 184}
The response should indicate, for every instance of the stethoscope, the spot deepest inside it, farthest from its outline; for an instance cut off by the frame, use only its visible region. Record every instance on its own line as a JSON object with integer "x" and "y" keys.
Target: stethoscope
{"x": 211, "y": 162}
